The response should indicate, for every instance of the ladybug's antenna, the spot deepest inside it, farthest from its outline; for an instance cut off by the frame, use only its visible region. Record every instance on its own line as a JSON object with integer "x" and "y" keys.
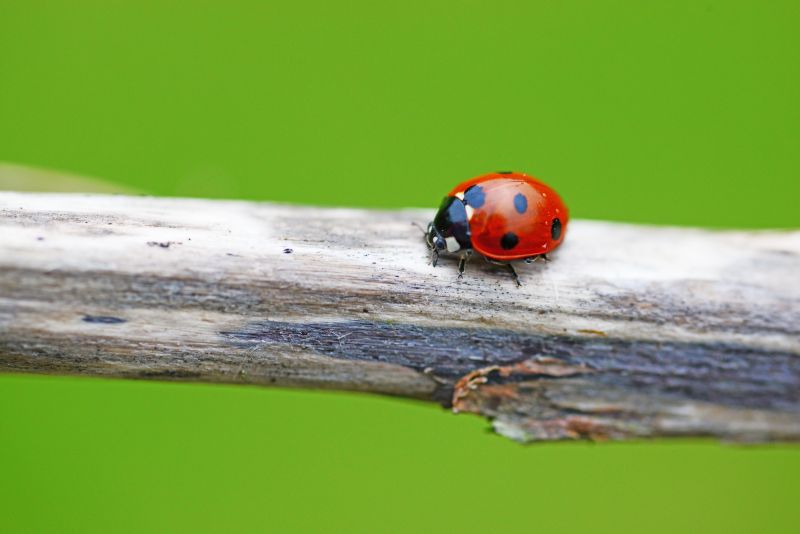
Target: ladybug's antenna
{"x": 415, "y": 223}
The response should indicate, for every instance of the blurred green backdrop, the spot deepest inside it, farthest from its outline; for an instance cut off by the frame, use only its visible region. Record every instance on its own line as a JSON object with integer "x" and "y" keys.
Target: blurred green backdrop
{"x": 679, "y": 112}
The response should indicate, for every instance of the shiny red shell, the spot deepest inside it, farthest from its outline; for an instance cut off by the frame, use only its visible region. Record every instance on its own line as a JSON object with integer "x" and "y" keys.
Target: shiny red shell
{"x": 499, "y": 226}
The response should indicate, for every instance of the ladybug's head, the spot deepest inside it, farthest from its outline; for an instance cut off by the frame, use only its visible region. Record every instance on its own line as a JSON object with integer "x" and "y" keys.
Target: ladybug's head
{"x": 449, "y": 231}
{"x": 435, "y": 239}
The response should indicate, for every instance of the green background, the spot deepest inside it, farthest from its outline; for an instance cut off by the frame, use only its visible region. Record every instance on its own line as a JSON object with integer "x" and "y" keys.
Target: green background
{"x": 658, "y": 112}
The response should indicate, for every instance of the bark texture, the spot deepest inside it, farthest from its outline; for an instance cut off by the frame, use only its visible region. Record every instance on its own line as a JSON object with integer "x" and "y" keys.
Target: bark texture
{"x": 630, "y": 332}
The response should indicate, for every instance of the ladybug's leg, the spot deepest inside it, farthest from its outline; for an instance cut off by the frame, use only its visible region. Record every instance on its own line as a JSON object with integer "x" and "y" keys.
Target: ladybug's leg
{"x": 462, "y": 263}
{"x": 434, "y": 257}
{"x": 513, "y": 272}
{"x": 534, "y": 258}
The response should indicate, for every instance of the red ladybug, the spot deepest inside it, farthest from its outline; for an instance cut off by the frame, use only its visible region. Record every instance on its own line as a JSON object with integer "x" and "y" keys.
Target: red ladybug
{"x": 503, "y": 216}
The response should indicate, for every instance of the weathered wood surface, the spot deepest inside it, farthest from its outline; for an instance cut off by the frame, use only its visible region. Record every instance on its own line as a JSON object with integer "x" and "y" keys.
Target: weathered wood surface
{"x": 631, "y": 331}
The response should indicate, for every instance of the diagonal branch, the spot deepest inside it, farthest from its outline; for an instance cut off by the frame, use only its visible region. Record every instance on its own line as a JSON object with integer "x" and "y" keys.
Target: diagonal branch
{"x": 632, "y": 331}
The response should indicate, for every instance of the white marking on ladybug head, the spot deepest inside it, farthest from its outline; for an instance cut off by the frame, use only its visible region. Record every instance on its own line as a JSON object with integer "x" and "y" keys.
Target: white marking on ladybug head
{"x": 460, "y": 195}
{"x": 452, "y": 244}
{"x": 470, "y": 210}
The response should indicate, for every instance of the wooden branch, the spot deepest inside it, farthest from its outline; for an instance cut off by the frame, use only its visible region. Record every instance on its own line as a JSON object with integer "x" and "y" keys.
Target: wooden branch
{"x": 632, "y": 331}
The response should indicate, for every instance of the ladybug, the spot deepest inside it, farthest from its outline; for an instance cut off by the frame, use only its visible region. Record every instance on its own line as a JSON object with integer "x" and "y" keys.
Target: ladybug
{"x": 503, "y": 216}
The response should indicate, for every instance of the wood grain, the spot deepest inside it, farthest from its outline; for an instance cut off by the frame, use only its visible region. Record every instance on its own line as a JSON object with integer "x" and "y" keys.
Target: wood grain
{"x": 630, "y": 332}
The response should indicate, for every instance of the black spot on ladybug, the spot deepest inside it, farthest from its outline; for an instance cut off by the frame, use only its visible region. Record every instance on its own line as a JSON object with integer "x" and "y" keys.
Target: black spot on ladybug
{"x": 555, "y": 231}
{"x": 474, "y": 196}
{"x": 505, "y": 172}
{"x": 520, "y": 203}
{"x": 509, "y": 240}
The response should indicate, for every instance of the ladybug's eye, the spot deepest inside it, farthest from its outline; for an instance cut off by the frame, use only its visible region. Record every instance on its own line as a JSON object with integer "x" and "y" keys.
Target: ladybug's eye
{"x": 439, "y": 243}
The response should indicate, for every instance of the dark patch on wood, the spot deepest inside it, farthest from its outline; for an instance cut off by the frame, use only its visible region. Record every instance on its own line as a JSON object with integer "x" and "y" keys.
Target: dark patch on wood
{"x": 103, "y": 319}
{"x": 99, "y": 355}
{"x": 168, "y": 374}
{"x": 121, "y": 290}
{"x": 780, "y": 252}
{"x": 660, "y": 307}
{"x": 163, "y": 244}
{"x": 78, "y": 221}
{"x": 727, "y": 374}
{"x": 261, "y": 297}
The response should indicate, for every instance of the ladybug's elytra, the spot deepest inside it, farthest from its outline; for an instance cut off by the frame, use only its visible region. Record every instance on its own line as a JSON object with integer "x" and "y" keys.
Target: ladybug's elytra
{"x": 503, "y": 216}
